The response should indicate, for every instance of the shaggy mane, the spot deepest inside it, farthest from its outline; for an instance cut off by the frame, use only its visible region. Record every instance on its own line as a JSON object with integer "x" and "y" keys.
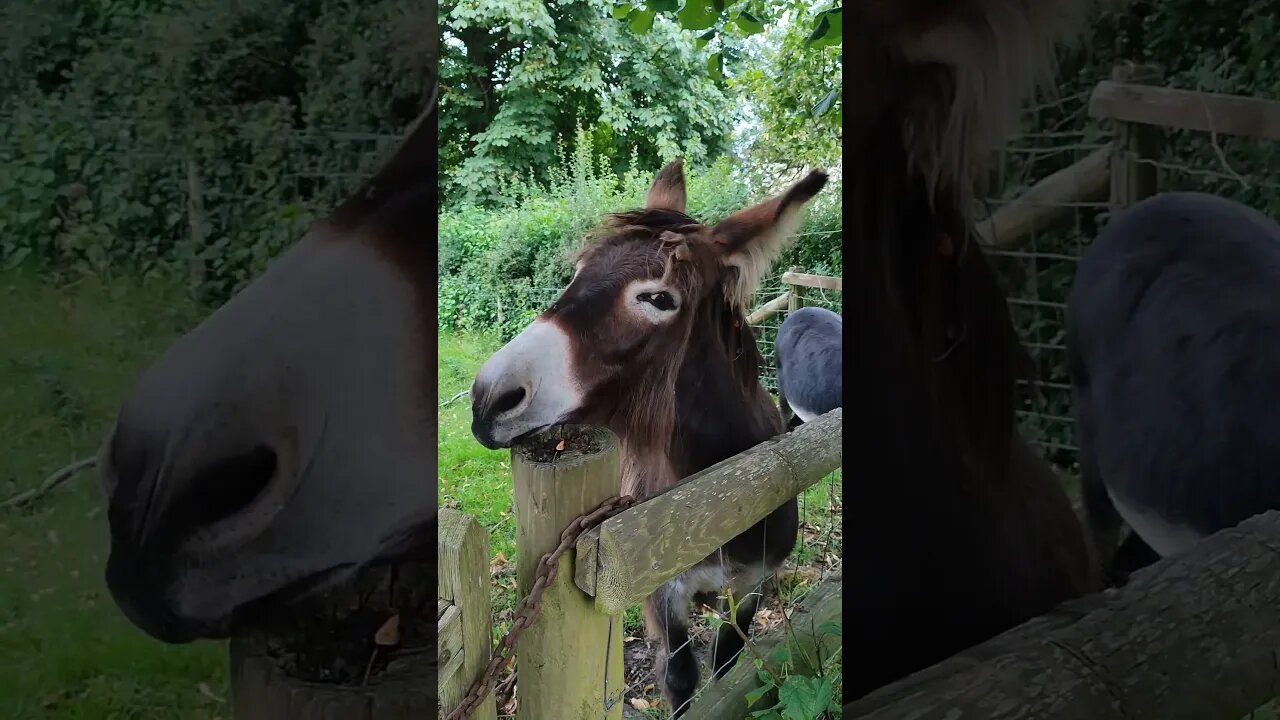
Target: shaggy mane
{"x": 969, "y": 65}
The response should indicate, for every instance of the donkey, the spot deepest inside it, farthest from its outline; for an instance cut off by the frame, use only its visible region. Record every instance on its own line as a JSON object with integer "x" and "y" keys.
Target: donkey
{"x": 289, "y": 439}
{"x": 808, "y": 352}
{"x": 956, "y": 530}
{"x": 1172, "y": 340}
{"x": 650, "y": 340}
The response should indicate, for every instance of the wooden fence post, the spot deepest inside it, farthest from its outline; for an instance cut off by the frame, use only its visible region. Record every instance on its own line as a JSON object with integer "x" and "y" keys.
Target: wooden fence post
{"x": 464, "y": 623}
{"x": 1131, "y": 180}
{"x": 796, "y": 300}
{"x": 570, "y": 659}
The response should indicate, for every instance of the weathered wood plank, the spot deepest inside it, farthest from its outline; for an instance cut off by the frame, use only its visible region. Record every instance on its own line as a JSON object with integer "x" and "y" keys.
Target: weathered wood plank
{"x": 726, "y": 698}
{"x": 1046, "y": 203}
{"x": 570, "y": 660}
{"x": 1186, "y": 109}
{"x": 462, "y": 551}
{"x": 1190, "y": 638}
{"x": 1131, "y": 179}
{"x": 822, "y": 282}
{"x": 769, "y": 309}
{"x": 638, "y": 550}
{"x": 449, "y": 649}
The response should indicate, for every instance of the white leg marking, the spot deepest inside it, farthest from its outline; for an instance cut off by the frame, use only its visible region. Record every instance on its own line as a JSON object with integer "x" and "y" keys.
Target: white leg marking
{"x": 1165, "y": 537}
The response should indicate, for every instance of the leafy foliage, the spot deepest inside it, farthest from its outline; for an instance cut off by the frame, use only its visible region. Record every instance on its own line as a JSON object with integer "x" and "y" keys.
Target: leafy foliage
{"x": 784, "y": 55}
{"x": 118, "y": 116}
{"x": 501, "y": 266}
{"x": 518, "y": 75}
{"x": 805, "y": 689}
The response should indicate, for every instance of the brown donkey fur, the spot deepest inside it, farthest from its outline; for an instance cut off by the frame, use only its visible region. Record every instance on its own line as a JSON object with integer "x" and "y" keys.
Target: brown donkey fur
{"x": 956, "y": 530}
{"x": 650, "y": 339}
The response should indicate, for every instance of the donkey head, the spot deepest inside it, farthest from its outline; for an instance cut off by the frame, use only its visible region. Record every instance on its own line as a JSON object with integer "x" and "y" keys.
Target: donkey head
{"x": 609, "y": 350}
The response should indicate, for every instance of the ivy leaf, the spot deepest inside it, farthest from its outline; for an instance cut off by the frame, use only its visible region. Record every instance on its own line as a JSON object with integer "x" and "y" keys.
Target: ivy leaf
{"x": 818, "y": 111}
{"x": 620, "y": 12}
{"x": 641, "y": 21}
{"x": 663, "y": 5}
{"x": 715, "y": 67}
{"x": 748, "y": 23}
{"x": 697, "y": 15}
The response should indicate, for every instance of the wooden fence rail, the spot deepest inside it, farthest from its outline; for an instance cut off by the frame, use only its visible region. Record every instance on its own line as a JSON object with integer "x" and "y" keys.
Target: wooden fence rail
{"x": 807, "y": 643}
{"x": 1194, "y": 637}
{"x": 1186, "y": 109}
{"x": 793, "y": 298}
{"x": 633, "y": 553}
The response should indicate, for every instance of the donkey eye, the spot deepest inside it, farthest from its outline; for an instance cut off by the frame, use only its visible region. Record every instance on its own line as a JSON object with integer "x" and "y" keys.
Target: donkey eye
{"x": 661, "y": 300}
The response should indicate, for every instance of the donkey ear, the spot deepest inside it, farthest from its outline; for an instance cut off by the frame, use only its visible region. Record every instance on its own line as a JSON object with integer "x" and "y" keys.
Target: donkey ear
{"x": 667, "y": 191}
{"x": 750, "y": 239}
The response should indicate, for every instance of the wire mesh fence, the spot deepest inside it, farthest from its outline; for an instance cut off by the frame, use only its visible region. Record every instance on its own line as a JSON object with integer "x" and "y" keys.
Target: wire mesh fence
{"x": 1038, "y": 275}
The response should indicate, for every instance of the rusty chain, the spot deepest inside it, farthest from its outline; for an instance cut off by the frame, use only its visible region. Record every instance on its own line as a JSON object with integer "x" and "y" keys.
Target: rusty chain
{"x": 529, "y": 607}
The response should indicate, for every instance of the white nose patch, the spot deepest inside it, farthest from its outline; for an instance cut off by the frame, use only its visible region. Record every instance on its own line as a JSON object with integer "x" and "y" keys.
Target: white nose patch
{"x": 539, "y": 361}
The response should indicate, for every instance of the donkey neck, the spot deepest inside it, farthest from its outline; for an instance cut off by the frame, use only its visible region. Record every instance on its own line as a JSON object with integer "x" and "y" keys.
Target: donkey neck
{"x": 942, "y": 358}
{"x": 720, "y": 408}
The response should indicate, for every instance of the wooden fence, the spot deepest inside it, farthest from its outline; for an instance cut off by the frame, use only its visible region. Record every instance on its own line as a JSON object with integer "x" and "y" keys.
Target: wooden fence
{"x": 464, "y": 623}
{"x": 570, "y": 659}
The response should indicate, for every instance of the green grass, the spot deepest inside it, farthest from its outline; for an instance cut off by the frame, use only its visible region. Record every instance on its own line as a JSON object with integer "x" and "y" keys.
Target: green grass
{"x": 67, "y": 356}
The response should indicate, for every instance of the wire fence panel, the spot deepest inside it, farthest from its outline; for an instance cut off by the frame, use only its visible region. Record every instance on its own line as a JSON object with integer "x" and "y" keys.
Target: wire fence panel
{"x": 1038, "y": 275}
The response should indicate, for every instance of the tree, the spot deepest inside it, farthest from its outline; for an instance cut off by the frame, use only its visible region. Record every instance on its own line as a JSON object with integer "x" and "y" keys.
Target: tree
{"x": 517, "y": 76}
{"x": 782, "y": 55}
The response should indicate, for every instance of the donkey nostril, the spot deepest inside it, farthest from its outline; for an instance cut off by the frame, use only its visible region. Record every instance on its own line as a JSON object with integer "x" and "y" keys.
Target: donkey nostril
{"x": 508, "y": 400}
{"x": 230, "y": 485}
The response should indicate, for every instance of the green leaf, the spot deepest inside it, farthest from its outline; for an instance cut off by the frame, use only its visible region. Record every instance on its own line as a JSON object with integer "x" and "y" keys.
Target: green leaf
{"x": 818, "y": 111}
{"x": 748, "y": 23}
{"x": 827, "y": 31}
{"x": 620, "y": 12}
{"x": 715, "y": 67}
{"x": 702, "y": 40}
{"x": 819, "y": 31}
{"x": 641, "y": 21}
{"x": 803, "y": 698}
{"x": 697, "y": 15}
{"x": 754, "y": 696}
{"x": 663, "y": 5}
{"x": 835, "y": 17}
{"x": 830, "y": 628}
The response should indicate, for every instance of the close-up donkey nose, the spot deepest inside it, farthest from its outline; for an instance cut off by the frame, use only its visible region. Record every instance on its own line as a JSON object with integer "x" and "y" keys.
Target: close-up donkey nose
{"x": 158, "y": 498}
{"x": 492, "y": 396}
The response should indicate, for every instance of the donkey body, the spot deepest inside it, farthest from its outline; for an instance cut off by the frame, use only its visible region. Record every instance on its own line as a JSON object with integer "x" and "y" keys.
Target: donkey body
{"x": 650, "y": 339}
{"x": 956, "y": 530}
{"x": 810, "y": 367}
{"x": 1173, "y": 335}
